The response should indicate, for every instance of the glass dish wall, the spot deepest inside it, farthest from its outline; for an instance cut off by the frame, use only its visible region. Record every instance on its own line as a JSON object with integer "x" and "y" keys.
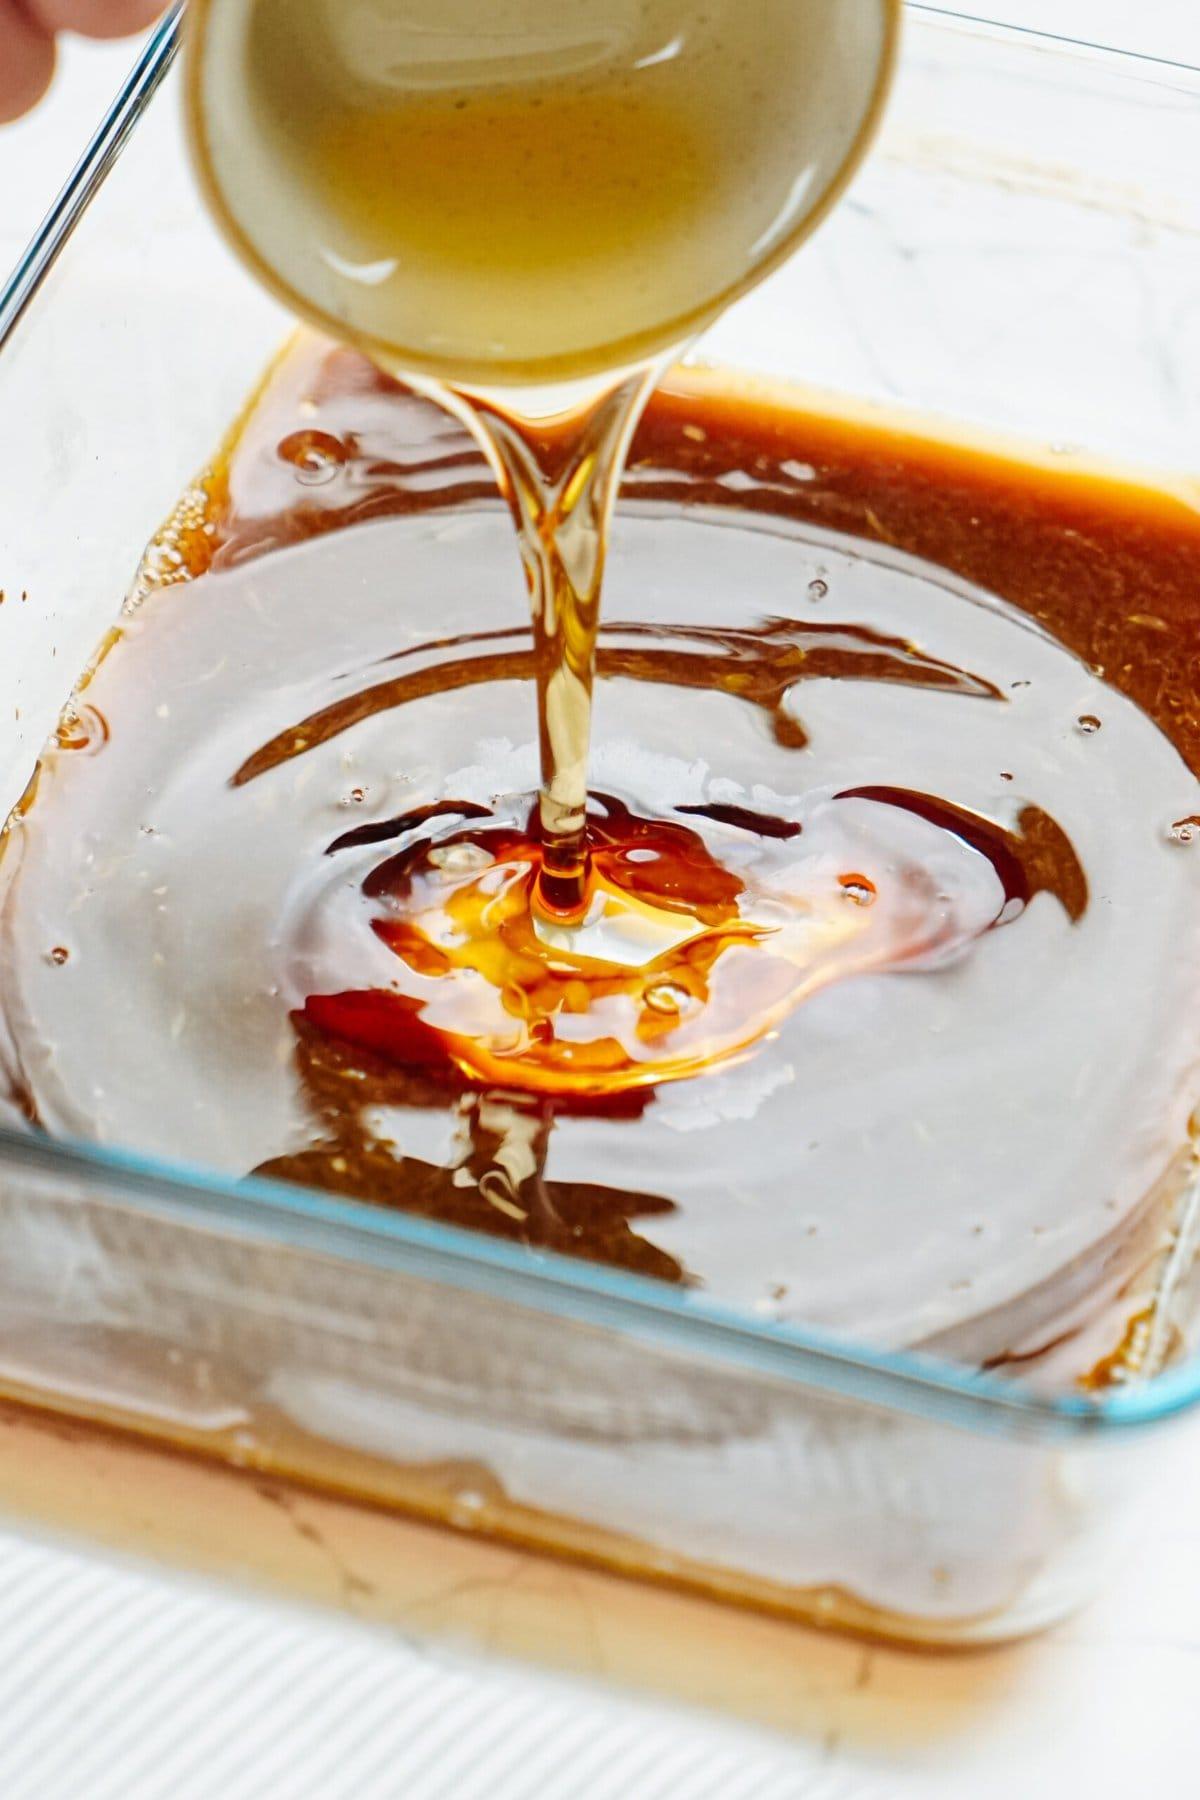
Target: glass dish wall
{"x": 1019, "y": 257}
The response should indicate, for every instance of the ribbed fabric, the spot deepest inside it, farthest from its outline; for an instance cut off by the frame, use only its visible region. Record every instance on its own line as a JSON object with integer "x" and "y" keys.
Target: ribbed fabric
{"x": 122, "y": 1683}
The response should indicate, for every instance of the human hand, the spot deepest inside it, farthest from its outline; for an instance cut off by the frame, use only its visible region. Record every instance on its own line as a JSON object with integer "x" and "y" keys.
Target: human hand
{"x": 27, "y": 32}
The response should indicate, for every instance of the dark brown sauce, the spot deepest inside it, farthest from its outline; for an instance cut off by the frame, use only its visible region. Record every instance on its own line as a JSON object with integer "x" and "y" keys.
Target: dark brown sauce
{"x": 575, "y": 1218}
{"x": 1108, "y": 567}
{"x": 1037, "y": 858}
{"x": 747, "y": 907}
{"x": 760, "y": 667}
{"x": 761, "y": 824}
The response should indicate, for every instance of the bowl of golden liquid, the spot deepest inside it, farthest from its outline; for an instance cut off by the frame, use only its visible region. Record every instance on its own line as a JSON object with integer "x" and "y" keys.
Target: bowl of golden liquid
{"x": 538, "y": 193}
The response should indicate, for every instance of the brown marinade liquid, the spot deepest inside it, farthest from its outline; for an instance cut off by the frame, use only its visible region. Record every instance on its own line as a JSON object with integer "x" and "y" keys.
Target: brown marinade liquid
{"x": 1108, "y": 567}
{"x": 568, "y": 1035}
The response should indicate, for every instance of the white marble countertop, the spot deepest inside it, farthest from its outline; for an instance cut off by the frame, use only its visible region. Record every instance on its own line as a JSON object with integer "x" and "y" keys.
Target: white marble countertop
{"x": 122, "y": 1680}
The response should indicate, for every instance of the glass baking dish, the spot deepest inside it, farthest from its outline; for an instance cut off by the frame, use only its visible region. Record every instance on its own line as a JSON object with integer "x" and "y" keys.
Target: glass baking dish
{"x": 1017, "y": 259}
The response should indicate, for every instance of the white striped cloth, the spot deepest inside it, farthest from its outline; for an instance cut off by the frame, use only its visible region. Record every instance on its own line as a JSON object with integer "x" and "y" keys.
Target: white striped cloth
{"x": 123, "y": 1683}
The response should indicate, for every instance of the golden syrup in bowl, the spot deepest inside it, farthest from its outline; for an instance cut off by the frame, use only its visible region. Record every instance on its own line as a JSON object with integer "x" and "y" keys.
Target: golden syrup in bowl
{"x": 538, "y": 193}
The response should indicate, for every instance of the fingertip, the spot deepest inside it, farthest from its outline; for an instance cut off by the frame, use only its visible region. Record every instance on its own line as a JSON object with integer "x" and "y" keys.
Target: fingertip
{"x": 95, "y": 18}
{"x": 27, "y": 62}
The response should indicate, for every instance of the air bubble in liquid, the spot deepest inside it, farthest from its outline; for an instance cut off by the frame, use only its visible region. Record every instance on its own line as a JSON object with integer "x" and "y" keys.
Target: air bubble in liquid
{"x": 460, "y": 859}
{"x": 316, "y": 456}
{"x": 666, "y": 997}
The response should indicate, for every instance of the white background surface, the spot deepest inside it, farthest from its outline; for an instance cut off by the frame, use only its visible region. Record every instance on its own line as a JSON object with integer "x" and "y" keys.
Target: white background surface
{"x": 1168, "y": 28}
{"x": 119, "y": 1681}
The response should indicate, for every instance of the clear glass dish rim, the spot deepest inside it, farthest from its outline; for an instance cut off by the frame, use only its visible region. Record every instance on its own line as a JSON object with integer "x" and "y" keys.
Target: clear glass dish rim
{"x": 679, "y": 1319}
